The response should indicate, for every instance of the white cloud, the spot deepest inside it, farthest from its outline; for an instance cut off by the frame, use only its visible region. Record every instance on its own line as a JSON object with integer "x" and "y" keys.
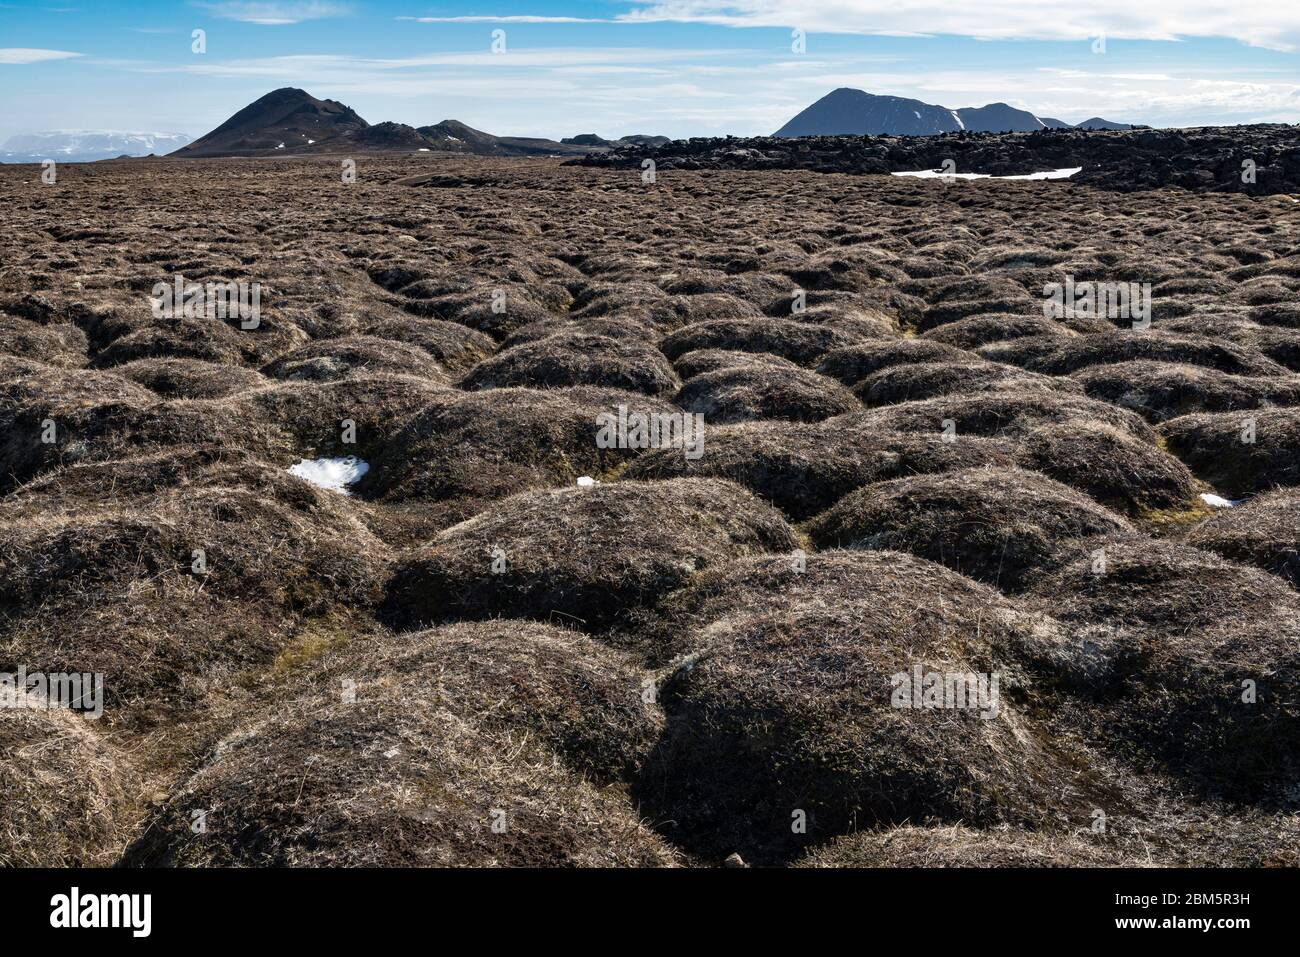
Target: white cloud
{"x": 1275, "y": 25}
{"x": 509, "y": 19}
{"x": 273, "y": 12}
{"x": 29, "y": 55}
{"x": 315, "y": 66}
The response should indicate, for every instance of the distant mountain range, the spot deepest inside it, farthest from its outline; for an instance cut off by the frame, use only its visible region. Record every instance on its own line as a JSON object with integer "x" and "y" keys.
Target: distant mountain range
{"x": 854, "y": 112}
{"x": 291, "y": 121}
{"x": 84, "y": 146}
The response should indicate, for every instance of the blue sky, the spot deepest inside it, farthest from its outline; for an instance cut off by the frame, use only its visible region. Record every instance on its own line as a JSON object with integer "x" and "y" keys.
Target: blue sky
{"x": 681, "y": 67}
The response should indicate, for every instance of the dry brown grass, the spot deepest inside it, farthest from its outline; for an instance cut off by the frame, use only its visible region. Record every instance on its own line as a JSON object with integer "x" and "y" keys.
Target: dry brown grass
{"x": 638, "y": 541}
{"x": 999, "y": 526}
{"x": 1121, "y": 691}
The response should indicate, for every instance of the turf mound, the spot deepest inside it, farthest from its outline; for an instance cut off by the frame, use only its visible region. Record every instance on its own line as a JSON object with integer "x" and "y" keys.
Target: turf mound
{"x": 355, "y": 357}
{"x": 1181, "y": 660}
{"x": 74, "y": 426}
{"x": 385, "y": 780}
{"x": 1006, "y": 414}
{"x": 582, "y": 699}
{"x": 190, "y": 378}
{"x": 852, "y": 364}
{"x": 997, "y": 525}
{"x": 486, "y": 445}
{"x": 58, "y": 344}
{"x": 84, "y": 486}
{"x": 790, "y": 708}
{"x": 1239, "y": 453}
{"x": 347, "y": 417}
{"x": 926, "y": 380}
{"x": 976, "y": 331}
{"x": 476, "y": 310}
{"x": 207, "y": 340}
{"x": 453, "y": 346}
{"x": 621, "y": 327}
{"x": 1264, "y": 531}
{"x": 1114, "y": 468}
{"x": 743, "y": 393}
{"x": 585, "y": 556}
{"x": 803, "y": 469}
{"x": 701, "y": 361}
{"x": 572, "y": 359}
{"x": 800, "y": 342}
{"x": 180, "y": 588}
{"x": 956, "y": 846}
{"x": 1159, "y": 391}
{"x": 1061, "y": 355}
{"x": 66, "y": 791}
{"x": 673, "y": 312}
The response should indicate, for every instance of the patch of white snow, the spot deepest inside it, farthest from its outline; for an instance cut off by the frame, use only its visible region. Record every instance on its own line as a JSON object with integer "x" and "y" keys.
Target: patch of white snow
{"x": 1216, "y": 501}
{"x": 334, "y": 474}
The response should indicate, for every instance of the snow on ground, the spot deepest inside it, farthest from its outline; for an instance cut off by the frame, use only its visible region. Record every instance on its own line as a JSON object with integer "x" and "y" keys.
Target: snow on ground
{"x": 938, "y": 174}
{"x": 1217, "y": 501}
{"x": 333, "y": 474}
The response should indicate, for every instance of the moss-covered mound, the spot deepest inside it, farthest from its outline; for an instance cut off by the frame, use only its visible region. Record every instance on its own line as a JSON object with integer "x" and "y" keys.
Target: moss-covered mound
{"x": 486, "y": 445}
{"x": 1181, "y": 661}
{"x": 998, "y": 525}
{"x": 1159, "y": 391}
{"x": 1264, "y": 531}
{"x": 1239, "y": 453}
{"x": 1114, "y": 468}
{"x": 743, "y": 393}
{"x": 386, "y": 780}
{"x": 800, "y": 342}
{"x": 804, "y": 468}
{"x": 577, "y": 359}
{"x": 957, "y": 846}
{"x": 793, "y": 719}
{"x": 585, "y": 556}
{"x": 66, "y": 791}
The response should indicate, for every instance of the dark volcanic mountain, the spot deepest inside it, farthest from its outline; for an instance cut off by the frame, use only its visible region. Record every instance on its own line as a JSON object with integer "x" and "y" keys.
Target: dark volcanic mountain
{"x": 592, "y": 140}
{"x": 292, "y": 121}
{"x": 391, "y": 136}
{"x": 999, "y": 118}
{"x": 455, "y": 136}
{"x": 852, "y": 112}
{"x": 1097, "y": 123}
{"x": 287, "y": 119}
{"x": 849, "y": 112}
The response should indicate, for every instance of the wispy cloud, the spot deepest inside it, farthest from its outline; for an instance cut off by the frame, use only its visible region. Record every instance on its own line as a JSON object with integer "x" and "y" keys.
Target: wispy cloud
{"x": 29, "y": 55}
{"x": 1272, "y": 25}
{"x": 310, "y": 66}
{"x": 518, "y": 18}
{"x": 274, "y": 13}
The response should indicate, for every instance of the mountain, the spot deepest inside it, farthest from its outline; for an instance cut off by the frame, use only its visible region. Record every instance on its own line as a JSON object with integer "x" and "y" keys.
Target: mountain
{"x": 644, "y": 139}
{"x": 586, "y": 139}
{"x": 998, "y": 118}
{"x": 853, "y": 112}
{"x": 287, "y": 119}
{"x": 85, "y": 146}
{"x": 1097, "y": 123}
{"x": 388, "y": 136}
{"x": 291, "y": 121}
{"x": 592, "y": 141}
{"x": 456, "y": 136}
